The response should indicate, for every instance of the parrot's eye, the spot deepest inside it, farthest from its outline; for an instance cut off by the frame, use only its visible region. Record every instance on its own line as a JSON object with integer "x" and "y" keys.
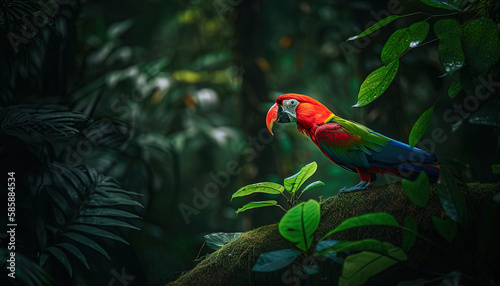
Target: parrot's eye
{"x": 293, "y": 102}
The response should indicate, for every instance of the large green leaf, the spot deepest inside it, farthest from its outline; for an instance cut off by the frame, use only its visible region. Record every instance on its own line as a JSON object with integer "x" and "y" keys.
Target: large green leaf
{"x": 88, "y": 242}
{"x": 372, "y": 245}
{"x": 293, "y": 183}
{"x": 104, "y": 221}
{"x": 409, "y": 233}
{"x": 59, "y": 255}
{"x": 75, "y": 251}
{"x": 364, "y": 220}
{"x": 275, "y": 260}
{"x": 376, "y": 83}
{"x": 218, "y": 239}
{"x": 446, "y": 227}
{"x": 253, "y": 205}
{"x": 266, "y": 187}
{"x": 359, "y": 267}
{"x": 444, "y": 4}
{"x": 299, "y": 224}
{"x": 481, "y": 44}
{"x": 418, "y": 191}
{"x": 451, "y": 55}
{"x": 400, "y": 40}
{"x": 420, "y": 126}
{"x": 87, "y": 229}
{"x": 452, "y": 200}
{"x": 375, "y": 27}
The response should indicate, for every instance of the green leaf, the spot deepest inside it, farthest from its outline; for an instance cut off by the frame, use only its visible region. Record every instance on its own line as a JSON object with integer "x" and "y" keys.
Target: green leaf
{"x": 455, "y": 87}
{"x": 275, "y": 260}
{"x": 266, "y": 187}
{"x": 379, "y": 218}
{"x": 104, "y": 221}
{"x": 253, "y": 205}
{"x": 495, "y": 169}
{"x": 108, "y": 212}
{"x": 59, "y": 255}
{"x": 451, "y": 55}
{"x": 409, "y": 233}
{"x": 418, "y": 191}
{"x": 420, "y": 126}
{"x": 87, "y": 229}
{"x": 452, "y": 200}
{"x": 300, "y": 222}
{"x": 313, "y": 184}
{"x": 293, "y": 183}
{"x": 100, "y": 201}
{"x": 401, "y": 39}
{"x": 481, "y": 44}
{"x": 359, "y": 267}
{"x": 87, "y": 241}
{"x": 446, "y": 228}
{"x": 444, "y": 4}
{"x": 375, "y": 27}
{"x": 371, "y": 245}
{"x": 75, "y": 251}
{"x": 218, "y": 239}
{"x": 376, "y": 83}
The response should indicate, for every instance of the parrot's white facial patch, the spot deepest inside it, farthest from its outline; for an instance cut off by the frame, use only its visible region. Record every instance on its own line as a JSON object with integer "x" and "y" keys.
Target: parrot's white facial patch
{"x": 289, "y": 106}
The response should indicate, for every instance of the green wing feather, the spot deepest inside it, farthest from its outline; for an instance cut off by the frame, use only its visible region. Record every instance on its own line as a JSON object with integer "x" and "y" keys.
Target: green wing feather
{"x": 368, "y": 138}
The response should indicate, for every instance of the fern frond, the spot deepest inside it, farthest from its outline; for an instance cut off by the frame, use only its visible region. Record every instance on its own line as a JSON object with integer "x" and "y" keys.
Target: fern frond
{"x": 91, "y": 205}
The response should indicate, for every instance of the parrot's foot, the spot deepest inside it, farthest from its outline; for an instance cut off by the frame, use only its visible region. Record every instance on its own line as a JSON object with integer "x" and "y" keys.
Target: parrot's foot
{"x": 359, "y": 187}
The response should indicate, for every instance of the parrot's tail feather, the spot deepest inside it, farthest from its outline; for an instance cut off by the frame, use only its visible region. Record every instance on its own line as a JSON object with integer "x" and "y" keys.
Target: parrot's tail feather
{"x": 411, "y": 170}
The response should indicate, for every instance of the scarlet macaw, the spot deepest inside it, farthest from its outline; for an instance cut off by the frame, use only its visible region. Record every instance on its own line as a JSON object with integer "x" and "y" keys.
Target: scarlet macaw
{"x": 351, "y": 145}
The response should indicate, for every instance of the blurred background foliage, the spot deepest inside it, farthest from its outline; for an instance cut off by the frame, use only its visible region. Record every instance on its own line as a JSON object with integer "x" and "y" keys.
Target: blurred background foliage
{"x": 185, "y": 86}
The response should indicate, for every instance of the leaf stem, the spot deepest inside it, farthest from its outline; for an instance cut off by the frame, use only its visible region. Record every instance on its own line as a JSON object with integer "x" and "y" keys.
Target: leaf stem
{"x": 281, "y": 207}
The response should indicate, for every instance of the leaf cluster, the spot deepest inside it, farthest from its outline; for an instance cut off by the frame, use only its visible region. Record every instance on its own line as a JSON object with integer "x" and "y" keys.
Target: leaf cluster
{"x": 291, "y": 185}
{"x": 469, "y": 48}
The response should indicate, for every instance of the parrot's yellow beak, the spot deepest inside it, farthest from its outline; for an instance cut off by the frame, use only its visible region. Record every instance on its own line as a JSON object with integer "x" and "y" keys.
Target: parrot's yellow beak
{"x": 271, "y": 117}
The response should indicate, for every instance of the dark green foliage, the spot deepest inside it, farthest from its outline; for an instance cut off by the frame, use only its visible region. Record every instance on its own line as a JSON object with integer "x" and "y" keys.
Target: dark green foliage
{"x": 451, "y": 55}
{"x": 418, "y": 190}
{"x": 452, "y": 200}
{"x": 76, "y": 207}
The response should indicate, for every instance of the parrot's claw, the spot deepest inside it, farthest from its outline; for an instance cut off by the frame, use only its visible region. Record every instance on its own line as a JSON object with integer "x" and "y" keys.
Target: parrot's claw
{"x": 359, "y": 187}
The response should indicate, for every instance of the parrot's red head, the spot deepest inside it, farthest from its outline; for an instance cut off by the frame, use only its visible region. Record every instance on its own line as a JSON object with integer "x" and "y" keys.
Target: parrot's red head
{"x": 292, "y": 107}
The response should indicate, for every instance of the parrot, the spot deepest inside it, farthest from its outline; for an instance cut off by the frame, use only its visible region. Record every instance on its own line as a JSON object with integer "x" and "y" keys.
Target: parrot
{"x": 351, "y": 145}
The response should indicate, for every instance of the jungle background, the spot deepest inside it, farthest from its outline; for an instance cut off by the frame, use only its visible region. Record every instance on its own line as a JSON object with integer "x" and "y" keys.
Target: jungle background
{"x": 167, "y": 99}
